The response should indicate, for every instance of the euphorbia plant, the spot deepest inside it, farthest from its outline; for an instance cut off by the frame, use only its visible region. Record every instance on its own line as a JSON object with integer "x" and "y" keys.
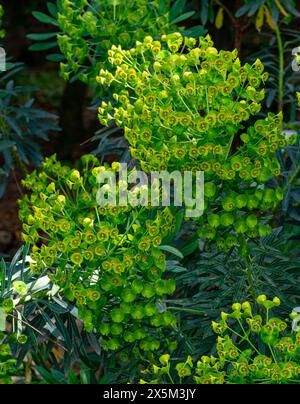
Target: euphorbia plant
{"x": 186, "y": 106}
{"x": 88, "y": 29}
{"x": 105, "y": 259}
{"x": 251, "y": 348}
{"x": 96, "y": 25}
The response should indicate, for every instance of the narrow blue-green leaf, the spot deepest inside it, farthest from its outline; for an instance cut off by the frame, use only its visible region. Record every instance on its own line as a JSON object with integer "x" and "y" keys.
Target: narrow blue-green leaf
{"x": 204, "y": 11}
{"x": 42, "y": 37}
{"x": 243, "y": 10}
{"x": 171, "y": 250}
{"x": 183, "y": 17}
{"x": 44, "y": 18}
{"x": 55, "y": 57}
{"x": 43, "y": 46}
{"x": 52, "y": 9}
{"x": 177, "y": 8}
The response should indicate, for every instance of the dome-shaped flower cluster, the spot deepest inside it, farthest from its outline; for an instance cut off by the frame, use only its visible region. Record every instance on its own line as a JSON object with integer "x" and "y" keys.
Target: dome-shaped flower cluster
{"x": 186, "y": 106}
{"x": 105, "y": 259}
{"x": 251, "y": 349}
{"x": 90, "y": 27}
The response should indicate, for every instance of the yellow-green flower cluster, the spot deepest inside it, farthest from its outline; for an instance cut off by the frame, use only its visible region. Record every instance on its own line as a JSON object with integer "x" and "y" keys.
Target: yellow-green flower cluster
{"x": 232, "y": 214}
{"x": 90, "y": 27}
{"x": 186, "y": 106}
{"x": 251, "y": 349}
{"x": 104, "y": 258}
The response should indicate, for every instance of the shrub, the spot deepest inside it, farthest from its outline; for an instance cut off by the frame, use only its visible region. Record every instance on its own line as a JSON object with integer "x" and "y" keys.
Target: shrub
{"x": 89, "y": 28}
{"x": 251, "y": 349}
{"x": 188, "y": 107}
{"x": 104, "y": 258}
{"x": 87, "y": 40}
{"x": 185, "y": 106}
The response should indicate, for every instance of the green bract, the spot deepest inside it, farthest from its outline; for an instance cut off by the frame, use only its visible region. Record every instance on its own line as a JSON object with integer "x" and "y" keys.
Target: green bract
{"x": 104, "y": 258}
{"x": 185, "y": 106}
{"x": 251, "y": 349}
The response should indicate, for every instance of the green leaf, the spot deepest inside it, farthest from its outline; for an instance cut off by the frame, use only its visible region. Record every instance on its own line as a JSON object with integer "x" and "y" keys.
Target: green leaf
{"x": 255, "y": 7}
{"x": 52, "y": 9}
{"x": 204, "y": 11}
{"x": 43, "y": 46}
{"x": 177, "y": 8}
{"x": 175, "y": 268}
{"x": 48, "y": 377}
{"x": 44, "y": 18}
{"x": 183, "y": 17}
{"x": 178, "y": 221}
{"x": 171, "y": 250}
{"x": 195, "y": 32}
{"x": 42, "y": 37}
{"x": 190, "y": 248}
{"x": 6, "y": 144}
{"x": 243, "y": 10}
{"x": 55, "y": 57}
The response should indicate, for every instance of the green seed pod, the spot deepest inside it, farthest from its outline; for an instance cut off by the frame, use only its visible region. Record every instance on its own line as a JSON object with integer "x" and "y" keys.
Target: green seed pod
{"x": 117, "y": 316}
{"x": 226, "y": 219}
{"x": 214, "y": 220}
{"x": 210, "y": 189}
{"x": 252, "y": 221}
{"x": 104, "y": 329}
{"x": 240, "y": 226}
{"x": 128, "y": 295}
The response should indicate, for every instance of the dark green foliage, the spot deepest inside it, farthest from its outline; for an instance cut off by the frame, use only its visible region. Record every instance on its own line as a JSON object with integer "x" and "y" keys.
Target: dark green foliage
{"x": 22, "y": 126}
